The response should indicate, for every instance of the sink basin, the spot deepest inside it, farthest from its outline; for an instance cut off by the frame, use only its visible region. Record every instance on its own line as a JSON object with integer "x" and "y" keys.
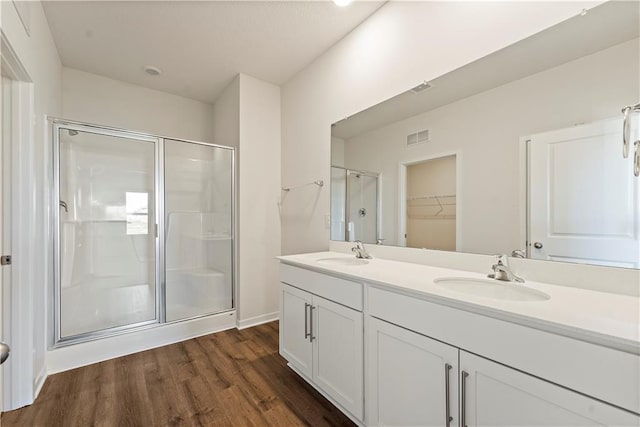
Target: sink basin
{"x": 492, "y": 289}
{"x": 343, "y": 261}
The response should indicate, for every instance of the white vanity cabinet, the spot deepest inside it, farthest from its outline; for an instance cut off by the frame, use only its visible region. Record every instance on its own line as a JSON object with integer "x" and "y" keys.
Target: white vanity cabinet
{"x": 495, "y": 395}
{"x": 522, "y": 379}
{"x": 322, "y": 334}
{"x": 295, "y": 338}
{"x": 412, "y": 380}
{"x": 432, "y": 361}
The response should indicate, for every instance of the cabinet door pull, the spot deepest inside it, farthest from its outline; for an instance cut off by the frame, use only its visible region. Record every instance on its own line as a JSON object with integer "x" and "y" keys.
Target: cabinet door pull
{"x": 311, "y": 337}
{"x": 306, "y": 320}
{"x": 463, "y": 400}
{"x": 447, "y": 403}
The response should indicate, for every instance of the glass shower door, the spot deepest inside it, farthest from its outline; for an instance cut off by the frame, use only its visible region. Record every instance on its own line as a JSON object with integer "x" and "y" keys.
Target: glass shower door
{"x": 362, "y": 207}
{"x": 198, "y": 205}
{"x": 106, "y": 231}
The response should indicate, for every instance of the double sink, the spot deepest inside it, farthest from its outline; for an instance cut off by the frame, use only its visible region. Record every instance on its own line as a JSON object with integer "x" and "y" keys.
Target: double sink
{"x": 485, "y": 288}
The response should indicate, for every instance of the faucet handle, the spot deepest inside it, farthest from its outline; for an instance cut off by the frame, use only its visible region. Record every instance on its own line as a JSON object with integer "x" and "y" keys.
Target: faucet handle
{"x": 501, "y": 259}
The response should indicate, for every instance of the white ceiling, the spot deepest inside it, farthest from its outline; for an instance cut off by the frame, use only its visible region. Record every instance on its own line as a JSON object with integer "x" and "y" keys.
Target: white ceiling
{"x": 603, "y": 26}
{"x": 200, "y": 46}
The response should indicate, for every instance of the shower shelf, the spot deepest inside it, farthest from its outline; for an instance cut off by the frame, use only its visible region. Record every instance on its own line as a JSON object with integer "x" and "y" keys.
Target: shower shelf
{"x": 203, "y": 272}
{"x": 207, "y": 238}
{"x": 93, "y": 221}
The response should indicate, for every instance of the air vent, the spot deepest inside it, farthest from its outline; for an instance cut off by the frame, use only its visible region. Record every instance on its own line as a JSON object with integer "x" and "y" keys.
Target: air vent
{"x": 418, "y": 138}
{"x": 422, "y": 86}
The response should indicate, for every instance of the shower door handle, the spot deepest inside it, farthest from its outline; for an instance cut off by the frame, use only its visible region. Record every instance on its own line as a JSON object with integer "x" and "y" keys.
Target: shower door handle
{"x": 64, "y": 205}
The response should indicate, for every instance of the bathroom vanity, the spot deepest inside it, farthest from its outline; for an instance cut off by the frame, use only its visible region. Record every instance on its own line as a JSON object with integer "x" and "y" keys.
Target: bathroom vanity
{"x": 396, "y": 343}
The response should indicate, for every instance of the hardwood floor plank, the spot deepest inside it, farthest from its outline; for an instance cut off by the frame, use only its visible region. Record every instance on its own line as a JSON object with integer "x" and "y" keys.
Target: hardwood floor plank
{"x": 232, "y": 378}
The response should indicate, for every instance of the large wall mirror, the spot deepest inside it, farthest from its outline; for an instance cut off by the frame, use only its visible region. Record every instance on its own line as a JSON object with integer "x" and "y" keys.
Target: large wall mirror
{"x": 519, "y": 152}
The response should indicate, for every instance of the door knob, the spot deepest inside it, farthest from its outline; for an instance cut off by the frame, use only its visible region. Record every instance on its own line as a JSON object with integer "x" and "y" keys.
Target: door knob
{"x": 537, "y": 245}
{"x": 4, "y": 352}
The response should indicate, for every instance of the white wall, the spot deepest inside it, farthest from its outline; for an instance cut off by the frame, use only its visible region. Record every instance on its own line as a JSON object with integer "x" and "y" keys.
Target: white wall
{"x": 95, "y": 99}
{"x": 485, "y": 129}
{"x": 337, "y": 151}
{"x": 226, "y": 115}
{"x": 247, "y": 116}
{"x": 399, "y": 46}
{"x": 259, "y": 194}
{"x": 39, "y": 56}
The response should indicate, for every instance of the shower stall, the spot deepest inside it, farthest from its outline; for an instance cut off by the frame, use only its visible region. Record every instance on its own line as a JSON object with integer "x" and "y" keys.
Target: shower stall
{"x": 354, "y": 205}
{"x": 143, "y": 230}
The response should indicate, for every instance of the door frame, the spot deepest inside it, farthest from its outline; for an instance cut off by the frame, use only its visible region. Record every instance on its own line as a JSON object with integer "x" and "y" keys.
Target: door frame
{"x": 402, "y": 193}
{"x": 158, "y": 161}
{"x": 20, "y": 381}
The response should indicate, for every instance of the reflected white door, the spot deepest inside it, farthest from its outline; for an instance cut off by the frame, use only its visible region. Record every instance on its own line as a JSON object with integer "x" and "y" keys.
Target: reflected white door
{"x": 583, "y": 196}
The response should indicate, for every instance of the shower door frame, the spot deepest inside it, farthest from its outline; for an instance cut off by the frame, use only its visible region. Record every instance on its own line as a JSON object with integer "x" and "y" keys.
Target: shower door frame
{"x": 347, "y": 203}
{"x": 159, "y": 215}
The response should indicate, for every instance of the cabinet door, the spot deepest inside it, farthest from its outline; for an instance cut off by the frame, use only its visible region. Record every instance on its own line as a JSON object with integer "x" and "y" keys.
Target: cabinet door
{"x": 295, "y": 319}
{"x": 338, "y": 353}
{"x": 495, "y": 395}
{"x": 408, "y": 375}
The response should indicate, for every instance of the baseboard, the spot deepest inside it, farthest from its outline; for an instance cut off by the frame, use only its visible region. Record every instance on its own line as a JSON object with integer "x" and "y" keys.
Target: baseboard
{"x": 258, "y": 320}
{"x": 75, "y": 356}
{"x": 41, "y": 378}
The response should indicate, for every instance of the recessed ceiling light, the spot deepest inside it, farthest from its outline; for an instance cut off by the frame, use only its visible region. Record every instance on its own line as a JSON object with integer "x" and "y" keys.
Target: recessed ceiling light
{"x": 152, "y": 71}
{"x": 342, "y": 3}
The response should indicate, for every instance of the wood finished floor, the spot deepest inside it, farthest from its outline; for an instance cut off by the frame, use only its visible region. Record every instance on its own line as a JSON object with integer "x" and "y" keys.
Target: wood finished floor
{"x": 232, "y": 378}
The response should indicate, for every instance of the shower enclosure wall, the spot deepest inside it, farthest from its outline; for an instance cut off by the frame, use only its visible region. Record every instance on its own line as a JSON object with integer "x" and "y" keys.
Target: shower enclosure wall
{"x": 143, "y": 230}
{"x": 354, "y": 205}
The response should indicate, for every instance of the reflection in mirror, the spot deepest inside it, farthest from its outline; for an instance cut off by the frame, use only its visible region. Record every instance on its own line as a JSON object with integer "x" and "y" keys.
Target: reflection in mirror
{"x": 517, "y": 151}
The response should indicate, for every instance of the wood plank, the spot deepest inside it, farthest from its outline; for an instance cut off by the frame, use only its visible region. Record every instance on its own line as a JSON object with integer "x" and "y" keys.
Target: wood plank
{"x": 232, "y": 378}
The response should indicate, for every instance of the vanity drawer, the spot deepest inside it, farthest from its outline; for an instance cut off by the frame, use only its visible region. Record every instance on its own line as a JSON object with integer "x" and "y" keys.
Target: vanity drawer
{"x": 607, "y": 374}
{"x": 342, "y": 291}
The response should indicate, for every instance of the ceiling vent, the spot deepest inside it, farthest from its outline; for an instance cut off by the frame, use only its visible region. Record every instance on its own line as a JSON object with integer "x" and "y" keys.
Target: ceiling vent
{"x": 422, "y": 86}
{"x": 418, "y": 138}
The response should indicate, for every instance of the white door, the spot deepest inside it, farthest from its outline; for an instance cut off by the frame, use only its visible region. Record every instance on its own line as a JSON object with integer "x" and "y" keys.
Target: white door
{"x": 412, "y": 379}
{"x": 295, "y": 325}
{"x": 5, "y": 199}
{"x": 584, "y": 201}
{"x": 3, "y": 155}
{"x": 495, "y": 395}
{"x": 338, "y": 334}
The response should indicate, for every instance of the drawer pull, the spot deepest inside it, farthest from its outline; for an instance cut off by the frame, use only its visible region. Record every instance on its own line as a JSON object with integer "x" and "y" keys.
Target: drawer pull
{"x": 463, "y": 411}
{"x": 311, "y": 337}
{"x": 447, "y": 403}
{"x": 306, "y": 320}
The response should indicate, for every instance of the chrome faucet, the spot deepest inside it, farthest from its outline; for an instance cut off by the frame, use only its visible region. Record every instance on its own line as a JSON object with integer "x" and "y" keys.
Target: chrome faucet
{"x": 360, "y": 250}
{"x": 501, "y": 271}
{"x": 518, "y": 253}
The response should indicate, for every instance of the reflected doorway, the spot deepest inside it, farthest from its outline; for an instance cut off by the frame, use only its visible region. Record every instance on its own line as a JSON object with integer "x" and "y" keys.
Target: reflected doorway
{"x": 430, "y": 203}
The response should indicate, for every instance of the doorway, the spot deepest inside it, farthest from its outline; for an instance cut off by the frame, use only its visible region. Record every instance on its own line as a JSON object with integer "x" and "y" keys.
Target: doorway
{"x": 428, "y": 203}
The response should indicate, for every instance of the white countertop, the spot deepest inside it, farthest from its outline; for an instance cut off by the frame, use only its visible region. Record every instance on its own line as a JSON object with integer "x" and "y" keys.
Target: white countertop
{"x": 601, "y": 318}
